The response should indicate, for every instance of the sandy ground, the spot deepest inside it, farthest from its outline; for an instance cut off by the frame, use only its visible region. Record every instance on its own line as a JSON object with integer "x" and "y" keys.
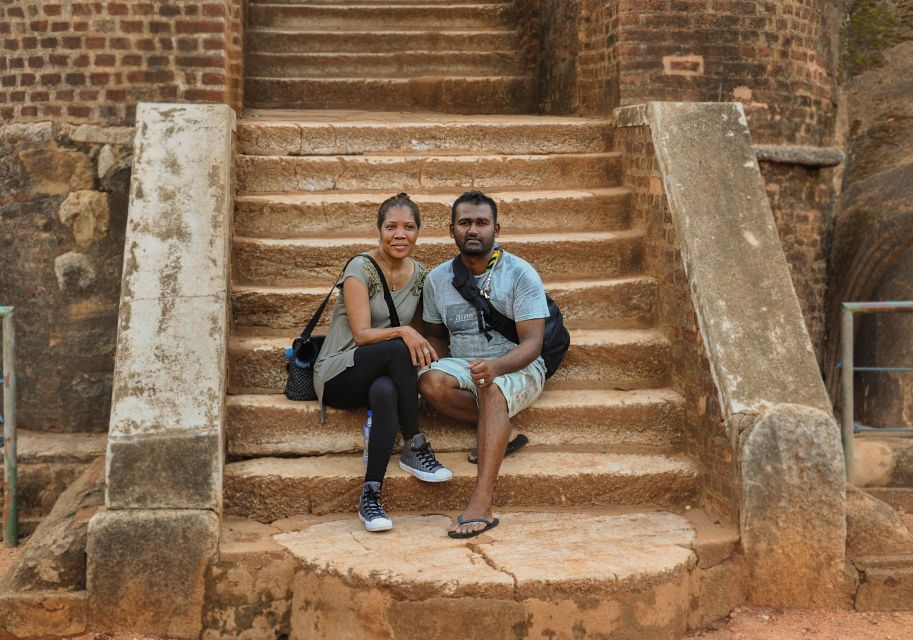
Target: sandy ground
{"x": 751, "y": 623}
{"x": 7, "y": 555}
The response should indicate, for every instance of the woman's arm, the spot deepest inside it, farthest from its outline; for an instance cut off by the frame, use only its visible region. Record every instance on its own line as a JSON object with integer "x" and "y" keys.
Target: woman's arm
{"x": 358, "y": 309}
{"x": 435, "y": 334}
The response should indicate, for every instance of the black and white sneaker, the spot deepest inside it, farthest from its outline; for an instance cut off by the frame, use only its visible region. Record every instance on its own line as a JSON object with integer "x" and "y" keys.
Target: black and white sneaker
{"x": 370, "y": 510}
{"x": 418, "y": 459}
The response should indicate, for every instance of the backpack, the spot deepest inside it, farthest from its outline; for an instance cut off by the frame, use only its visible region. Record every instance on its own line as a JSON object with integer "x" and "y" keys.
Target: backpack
{"x": 556, "y": 340}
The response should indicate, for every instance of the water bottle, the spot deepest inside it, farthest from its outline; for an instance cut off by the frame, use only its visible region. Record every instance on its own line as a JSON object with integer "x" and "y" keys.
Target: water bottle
{"x": 366, "y": 434}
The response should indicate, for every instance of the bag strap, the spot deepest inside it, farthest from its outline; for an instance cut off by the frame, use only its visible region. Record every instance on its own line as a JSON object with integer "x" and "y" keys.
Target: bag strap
{"x": 487, "y": 316}
{"x": 312, "y": 323}
{"x": 394, "y": 317}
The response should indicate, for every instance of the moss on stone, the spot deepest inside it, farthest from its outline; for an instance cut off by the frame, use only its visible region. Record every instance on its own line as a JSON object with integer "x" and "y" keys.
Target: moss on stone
{"x": 872, "y": 26}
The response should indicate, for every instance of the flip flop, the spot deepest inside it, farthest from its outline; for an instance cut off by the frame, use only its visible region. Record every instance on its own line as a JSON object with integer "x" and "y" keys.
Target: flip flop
{"x": 489, "y": 524}
{"x": 512, "y": 447}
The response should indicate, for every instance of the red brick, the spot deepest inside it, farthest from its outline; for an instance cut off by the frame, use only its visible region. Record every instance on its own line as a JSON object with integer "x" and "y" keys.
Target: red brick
{"x": 214, "y": 10}
{"x": 27, "y": 79}
{"x": 199, "y": 26}
{"x": 95, "y": 42}
{"x": 71, "y": 42}
{"x": 204, "y": 95}
{"x": 131, "y": 26}
{"x": 38, "y": 25}
{"x": 60, "y": 26}
{"x": 49, "y": 43}
{"x": 39, "y": 96}
{"x": 199, "y": 61}
{"x": 117, "y": 9}
{"x": 36, "y": 62}
{"x": 51, "y": 9}
{"x": 29, "y": 112}
{"x": 75, "y": 79}
{"x": 81, "y": 61}
{"x": 98, "y": 79}
{"x": 213, "y": 78}
{"x": 50, "y": 79}
{"x": 59, "y": 60}
{"x": 169, "y": 10}
{"x": 78, "y": 111}
{"x": 143, "y": 9}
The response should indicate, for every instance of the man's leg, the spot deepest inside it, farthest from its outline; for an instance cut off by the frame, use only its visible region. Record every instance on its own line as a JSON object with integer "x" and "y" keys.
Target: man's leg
{"x": 442, "y": 391}
{"x": 493, "y": 434}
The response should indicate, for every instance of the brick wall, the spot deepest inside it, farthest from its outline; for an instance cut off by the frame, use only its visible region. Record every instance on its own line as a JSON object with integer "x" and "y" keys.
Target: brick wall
{"x": 802, "y": 200}
{"x": 779, "y": 58}
{"x": 706, "y": 439}
{"x": 93, "y": 61}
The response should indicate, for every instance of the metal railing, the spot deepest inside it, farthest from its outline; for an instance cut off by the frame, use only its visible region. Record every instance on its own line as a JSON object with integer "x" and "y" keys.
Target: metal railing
{"x": 848, "y": 426}
{"x": 10, "y": 512}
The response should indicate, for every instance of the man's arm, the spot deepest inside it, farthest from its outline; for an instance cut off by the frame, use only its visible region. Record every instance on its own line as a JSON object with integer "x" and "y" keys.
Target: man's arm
{"x": 438, "y": 336}
{"x": 531, "y": 333}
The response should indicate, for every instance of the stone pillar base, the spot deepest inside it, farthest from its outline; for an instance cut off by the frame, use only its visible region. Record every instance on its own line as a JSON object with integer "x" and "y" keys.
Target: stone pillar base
{"x": 147, "y": 570}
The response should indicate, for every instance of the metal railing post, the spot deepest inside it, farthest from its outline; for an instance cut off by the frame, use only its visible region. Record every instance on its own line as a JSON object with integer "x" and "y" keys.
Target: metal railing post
{"x": 10, "y": 512}
{"x": 846, "y": 384}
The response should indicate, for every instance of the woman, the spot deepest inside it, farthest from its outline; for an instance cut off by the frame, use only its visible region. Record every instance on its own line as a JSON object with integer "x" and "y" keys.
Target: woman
{"x": 367, "y": 362}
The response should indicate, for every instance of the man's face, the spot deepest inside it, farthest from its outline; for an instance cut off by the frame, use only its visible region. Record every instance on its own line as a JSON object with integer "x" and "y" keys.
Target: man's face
{"x": 474, "y": 229}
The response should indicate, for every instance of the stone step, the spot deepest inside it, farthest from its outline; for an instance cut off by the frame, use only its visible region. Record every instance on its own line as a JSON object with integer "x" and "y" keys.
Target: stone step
{"x": 619, "y": 303}
{"x": 300, "y": 132}
{"x": 639, "y": 421}
{"x": 495, "y": 94}
{"x": 283, "y": 40}
{"x": 371, "y": 17}
{"x": 382, "y": 3}
{"x": 901, "y": 498}
{"x": 643, "y": 572}
{"x": 267, "y": 489}
{"x": 293, "y": 261}
{"x": 47, "y": 464}
{"x": 328, "y": 214}
{"x": 403, "y": 64}
{"x": 608, "y": 359}
{"x": 258, "y": 174}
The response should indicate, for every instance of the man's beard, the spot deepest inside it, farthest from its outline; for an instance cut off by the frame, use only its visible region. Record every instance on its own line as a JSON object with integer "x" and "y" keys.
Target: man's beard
{"x": 481, "y": 248}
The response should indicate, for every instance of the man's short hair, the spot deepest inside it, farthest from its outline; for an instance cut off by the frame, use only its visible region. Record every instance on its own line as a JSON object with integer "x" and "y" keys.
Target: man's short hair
{"x": 474, "y": 197}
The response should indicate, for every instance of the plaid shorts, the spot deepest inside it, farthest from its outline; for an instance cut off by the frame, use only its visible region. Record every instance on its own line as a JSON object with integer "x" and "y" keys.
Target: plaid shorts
{"x": 520, "y": 388}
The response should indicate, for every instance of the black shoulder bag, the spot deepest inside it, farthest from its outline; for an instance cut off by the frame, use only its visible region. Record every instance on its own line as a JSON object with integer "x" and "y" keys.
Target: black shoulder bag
{"x": 556, "y": 341}
{"x": 299, "y": 385}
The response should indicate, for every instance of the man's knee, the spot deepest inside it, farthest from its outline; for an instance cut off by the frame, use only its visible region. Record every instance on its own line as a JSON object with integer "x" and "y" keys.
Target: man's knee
{"x": 434, "y": 384}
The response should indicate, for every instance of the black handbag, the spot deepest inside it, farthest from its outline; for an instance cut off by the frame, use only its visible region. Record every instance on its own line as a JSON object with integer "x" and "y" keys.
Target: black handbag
{"x": 299, "y": 384}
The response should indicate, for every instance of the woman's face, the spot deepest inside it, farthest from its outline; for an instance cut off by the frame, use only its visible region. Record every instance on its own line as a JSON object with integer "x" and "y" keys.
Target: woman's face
{"x": 398, "y": 233}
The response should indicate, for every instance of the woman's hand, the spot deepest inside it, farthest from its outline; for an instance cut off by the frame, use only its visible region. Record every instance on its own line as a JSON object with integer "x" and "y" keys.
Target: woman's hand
{"x": 423, "y": 354}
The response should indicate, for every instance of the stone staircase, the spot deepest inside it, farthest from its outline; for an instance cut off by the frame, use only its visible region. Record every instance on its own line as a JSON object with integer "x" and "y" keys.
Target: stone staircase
{"x": 600, "y": 530}
{"x": 606, "y": 458}
{"x": 457, "y": 56}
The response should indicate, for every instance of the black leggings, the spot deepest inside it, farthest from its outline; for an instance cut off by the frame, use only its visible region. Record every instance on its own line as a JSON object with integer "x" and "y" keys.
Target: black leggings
{"x": 383, "y": 379}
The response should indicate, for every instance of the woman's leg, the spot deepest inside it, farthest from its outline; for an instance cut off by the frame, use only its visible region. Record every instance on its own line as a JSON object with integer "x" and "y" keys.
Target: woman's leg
{"x": 350, "y": 389}
{"x": 382, "y": 396}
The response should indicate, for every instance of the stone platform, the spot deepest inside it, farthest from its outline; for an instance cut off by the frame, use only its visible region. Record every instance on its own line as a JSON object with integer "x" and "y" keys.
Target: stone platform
{"x": 543, "y": 573}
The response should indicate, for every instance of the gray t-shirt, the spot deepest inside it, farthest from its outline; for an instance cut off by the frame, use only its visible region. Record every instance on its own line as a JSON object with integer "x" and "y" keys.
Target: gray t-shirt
{"x": 516, "y": 291}
{"x": 338, "y": 351}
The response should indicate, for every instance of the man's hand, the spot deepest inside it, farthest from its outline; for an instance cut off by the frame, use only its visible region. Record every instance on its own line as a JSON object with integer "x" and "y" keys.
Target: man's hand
{"x": 483, "y": 372}
{"x": 531, "y": 333}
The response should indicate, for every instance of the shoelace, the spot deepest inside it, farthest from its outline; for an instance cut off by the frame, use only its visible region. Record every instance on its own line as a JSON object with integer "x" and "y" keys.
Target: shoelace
{"x": 426, "y": 457}
{"x": 370, "y": 504}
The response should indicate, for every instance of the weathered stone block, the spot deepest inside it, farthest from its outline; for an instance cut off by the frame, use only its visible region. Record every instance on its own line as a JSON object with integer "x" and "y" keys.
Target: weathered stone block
{"x": 793, "y": 522}
{"x": 86, "y": 214}
{"x": 42, "y": 615}
{"x": 147, "y": 569}
{"x": 249, "y": 591}
{"x": 874, "y": 528}
{"x": 103, "y": 135}
{"x": 179, "y": 471}
{"x": 54, "y": 558}
{"x": 58, "y": 171}
{"x": 75, "y": 272}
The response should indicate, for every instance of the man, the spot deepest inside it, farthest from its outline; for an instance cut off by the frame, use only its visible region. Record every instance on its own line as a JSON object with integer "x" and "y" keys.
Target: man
{"x": 488, "y": 379}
